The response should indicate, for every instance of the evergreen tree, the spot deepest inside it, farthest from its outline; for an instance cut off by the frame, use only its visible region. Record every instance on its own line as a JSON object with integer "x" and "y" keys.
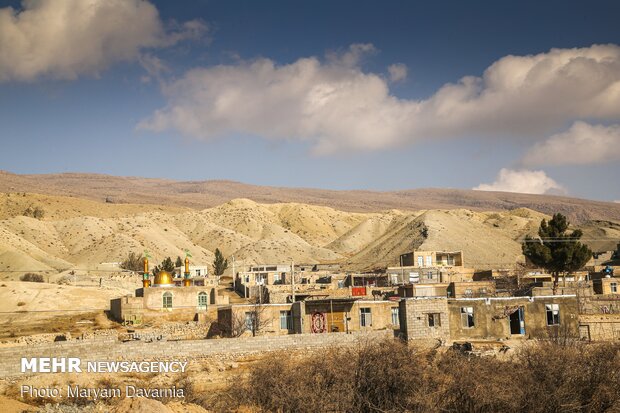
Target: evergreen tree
{"x": 179, "y": 262}
{"x": 166, "y": 265}
{"x": 219, "y": 263}
{"x": 556, "y": 250}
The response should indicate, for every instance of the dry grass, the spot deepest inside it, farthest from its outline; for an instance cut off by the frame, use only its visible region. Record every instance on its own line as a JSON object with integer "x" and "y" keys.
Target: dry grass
{"x": 391, "y": 377}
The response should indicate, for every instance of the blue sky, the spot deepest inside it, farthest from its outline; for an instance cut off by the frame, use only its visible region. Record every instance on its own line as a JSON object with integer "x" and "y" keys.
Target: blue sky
{"x": 300, "y": 93}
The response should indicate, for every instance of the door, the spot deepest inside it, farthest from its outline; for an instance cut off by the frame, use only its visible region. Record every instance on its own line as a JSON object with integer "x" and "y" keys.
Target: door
{"x": 517, "y": 322}
{"x": 336, "y": 322}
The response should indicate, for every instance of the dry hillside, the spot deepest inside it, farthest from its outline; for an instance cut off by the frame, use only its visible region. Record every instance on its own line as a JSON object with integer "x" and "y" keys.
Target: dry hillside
{"x": 205, "y": 194}
{"x": 82, "y": 234}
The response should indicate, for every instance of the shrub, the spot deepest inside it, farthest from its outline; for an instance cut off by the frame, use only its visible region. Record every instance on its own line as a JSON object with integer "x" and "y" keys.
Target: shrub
{"x": 36, "y": 212}
{"x": 32, "y": 277}
{"x": 392, "y": 377}
{"x": 133, "y": 262}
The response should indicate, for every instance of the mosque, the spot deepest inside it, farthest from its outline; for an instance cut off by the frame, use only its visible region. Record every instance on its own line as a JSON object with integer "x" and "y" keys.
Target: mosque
{"x": 187, "y": 297}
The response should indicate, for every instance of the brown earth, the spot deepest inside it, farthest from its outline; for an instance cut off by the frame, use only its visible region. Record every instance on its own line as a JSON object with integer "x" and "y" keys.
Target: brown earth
{"x": 204, "y": 194}
{"x": 79, "y": 238}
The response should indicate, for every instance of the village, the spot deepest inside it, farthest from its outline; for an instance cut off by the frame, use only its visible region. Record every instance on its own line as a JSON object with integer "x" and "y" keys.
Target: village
{"x": 430, "y": 297}
{"x": 309, "y": 207}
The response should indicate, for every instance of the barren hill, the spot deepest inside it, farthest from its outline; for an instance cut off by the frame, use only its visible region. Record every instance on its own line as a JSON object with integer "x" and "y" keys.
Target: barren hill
{"x": 82, "y": 234}
{"x": 92, "y": 219}
{"x": 205, "y": 194}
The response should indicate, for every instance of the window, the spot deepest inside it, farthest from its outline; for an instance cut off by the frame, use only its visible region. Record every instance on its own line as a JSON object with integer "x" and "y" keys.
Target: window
{"x": 365, "y": 317}
{"x": 395, "y": 317}
{"x": 553, "y": 314}
{"x": 434, "y": 320}
{"x": 197, "y": 273}
{"x": 286, "y": 321}
{"x": 429, "y": 261}
{"x": 420, "y": 261}
{"x": 429, "y": 275}
{"x": 467, "y": 317}
{"x": 614, "y": 287}
{"x": 167, "y": 300}
{"x": 203, "y": 300}
{"x": 249, "y": 321}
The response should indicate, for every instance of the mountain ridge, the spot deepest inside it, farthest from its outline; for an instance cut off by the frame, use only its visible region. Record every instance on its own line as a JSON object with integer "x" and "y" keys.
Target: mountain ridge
{"x": 210, "y": 193}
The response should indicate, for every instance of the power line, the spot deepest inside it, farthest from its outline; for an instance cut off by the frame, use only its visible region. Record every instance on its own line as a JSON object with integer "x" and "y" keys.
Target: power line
{"x": 82, "y": 310}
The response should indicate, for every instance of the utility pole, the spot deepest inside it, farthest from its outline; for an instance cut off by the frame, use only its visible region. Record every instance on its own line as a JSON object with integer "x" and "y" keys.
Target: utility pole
{"x": 234, "y": 274}
{"x": 293, "y": 280}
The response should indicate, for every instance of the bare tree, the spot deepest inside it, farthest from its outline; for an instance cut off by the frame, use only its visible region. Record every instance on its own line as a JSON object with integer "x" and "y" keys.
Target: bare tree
{"x": 255, "y": 319}
{"x": 236, "y": 326}
{"x": 133, "y": 262}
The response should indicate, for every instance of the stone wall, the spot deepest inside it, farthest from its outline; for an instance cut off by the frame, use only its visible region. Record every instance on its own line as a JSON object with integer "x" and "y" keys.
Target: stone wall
{"x": 414, "y": 318}
{"x": 599, "y": 327}
{"x": 106, "y": 349}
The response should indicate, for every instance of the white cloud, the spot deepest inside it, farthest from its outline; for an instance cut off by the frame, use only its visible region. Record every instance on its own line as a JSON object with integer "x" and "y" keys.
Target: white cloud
{"x": 581, "y": 144}
{"x": 523, "y": 181}
{"x": 398, "y": 72}
{"x": 352, "y": 56}
{"x": 335, "y": 106}
{"x": 154, "y": 66}
{"x": 68, "y": 38}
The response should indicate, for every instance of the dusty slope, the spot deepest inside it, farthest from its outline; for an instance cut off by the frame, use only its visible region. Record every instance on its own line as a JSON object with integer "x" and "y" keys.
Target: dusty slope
{"x": 62, "y": 207}
{"x": 607, "y": 232}
{"x": 83, "y": 234}
{"x": 204, "y": 194}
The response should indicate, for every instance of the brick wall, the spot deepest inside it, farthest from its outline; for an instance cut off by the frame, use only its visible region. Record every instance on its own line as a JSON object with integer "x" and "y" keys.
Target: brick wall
{"x": 105, "y": 349}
